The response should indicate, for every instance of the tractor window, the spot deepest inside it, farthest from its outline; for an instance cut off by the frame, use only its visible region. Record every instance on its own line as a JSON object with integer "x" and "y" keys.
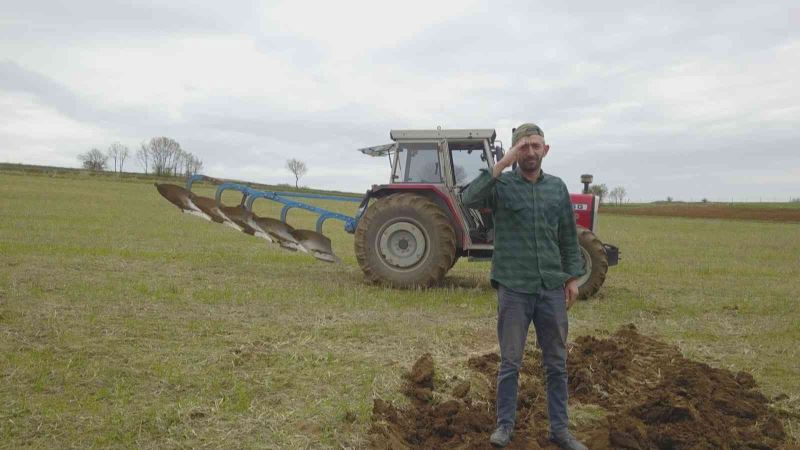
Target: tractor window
{"x": 468, "y": 159}
{"x": 418, "y": 163}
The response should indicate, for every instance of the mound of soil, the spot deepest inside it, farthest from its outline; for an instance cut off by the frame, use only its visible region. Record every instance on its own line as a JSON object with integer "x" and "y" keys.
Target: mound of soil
{"x": 652, "y": 398}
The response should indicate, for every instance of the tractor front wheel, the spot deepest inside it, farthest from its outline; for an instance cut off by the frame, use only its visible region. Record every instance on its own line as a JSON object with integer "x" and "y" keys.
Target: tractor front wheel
{"x": 405, "y": 240}
{"x": 595, "y": 263}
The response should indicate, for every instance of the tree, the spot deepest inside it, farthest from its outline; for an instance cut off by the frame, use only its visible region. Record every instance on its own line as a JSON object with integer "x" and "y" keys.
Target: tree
{"x": 600, "y": 190}
{"x": 94, "y": 159}
{"x": 112, "y": 153}
{"x": 118, "y": 152}
{"x": 191, "y": 164}
{"x": 617, "y": 195}
{"x": 163, "y": 153}
{"x": 164, "y": 156}
{"x": 123, "y": 155}
{"x": 197, "y": 165}
{"x": 298, "y": 169}
{"x": 177, "y": 161}
{"x": 612, "y": 196}
{"x": 143, "y": 156}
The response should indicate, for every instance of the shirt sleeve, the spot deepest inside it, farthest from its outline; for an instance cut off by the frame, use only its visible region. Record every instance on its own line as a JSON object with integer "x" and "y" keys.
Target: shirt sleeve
{"x": 571, "y": 259}
{"x": 481, "y": 192}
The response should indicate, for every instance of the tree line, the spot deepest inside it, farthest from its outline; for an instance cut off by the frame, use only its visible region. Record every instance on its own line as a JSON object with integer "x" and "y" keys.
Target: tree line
{"x": 616, "y": 195}
{"x": 160, "y": 156}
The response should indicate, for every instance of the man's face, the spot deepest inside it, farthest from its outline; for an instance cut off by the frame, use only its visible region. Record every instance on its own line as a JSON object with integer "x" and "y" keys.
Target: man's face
{"x": 530, "y": 152}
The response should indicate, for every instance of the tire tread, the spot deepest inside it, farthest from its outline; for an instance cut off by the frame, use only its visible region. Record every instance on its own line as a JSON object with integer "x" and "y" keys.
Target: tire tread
{"x": 441, "y": 223}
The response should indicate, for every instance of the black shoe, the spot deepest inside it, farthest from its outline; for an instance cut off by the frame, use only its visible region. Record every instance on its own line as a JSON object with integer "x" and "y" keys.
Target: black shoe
{"x": 502, "y": 435}
{"x": 567, "y": 442}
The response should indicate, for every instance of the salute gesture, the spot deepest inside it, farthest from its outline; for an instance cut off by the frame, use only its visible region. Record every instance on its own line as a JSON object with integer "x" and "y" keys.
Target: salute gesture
{"x": 527, "y": 153}
{"x": 507, "y": 160}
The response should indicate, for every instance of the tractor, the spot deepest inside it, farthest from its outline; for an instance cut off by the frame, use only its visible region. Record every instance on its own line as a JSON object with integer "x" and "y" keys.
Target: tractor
{"x": 411, "y": 231}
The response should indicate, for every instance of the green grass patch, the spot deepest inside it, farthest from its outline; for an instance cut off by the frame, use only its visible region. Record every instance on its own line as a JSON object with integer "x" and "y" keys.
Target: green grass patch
{"x": 124, "y": 323}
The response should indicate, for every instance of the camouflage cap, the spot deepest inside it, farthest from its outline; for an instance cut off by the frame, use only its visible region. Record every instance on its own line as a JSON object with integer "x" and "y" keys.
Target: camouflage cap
{"x": 525, "y": 130}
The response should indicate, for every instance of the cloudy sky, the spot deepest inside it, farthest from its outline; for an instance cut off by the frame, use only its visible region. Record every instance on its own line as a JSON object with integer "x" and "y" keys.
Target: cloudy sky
{"x": 687, "y": 99}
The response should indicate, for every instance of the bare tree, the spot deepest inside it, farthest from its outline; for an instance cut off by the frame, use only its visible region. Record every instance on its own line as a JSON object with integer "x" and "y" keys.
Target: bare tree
{"x": 163, "y": 153}
{"x": 164, "y": 156}
{"x": 94, "y": 159}
{"x": 192, "y": 164}
{"x": 186, "y": 164}
{"x": 143, "y": 156}
{"x": 112, "y": 154}
{"x": 600, "y": 190}
{"x": 617, "y": 195}
{"x": 177, "y": 161}
{"x": 622, "y": 194}
{"x": 198, "y": 166}
{"x": 118, "y": 153}
{"x": 298, "y": 169}
{"x": 123, "y": 155}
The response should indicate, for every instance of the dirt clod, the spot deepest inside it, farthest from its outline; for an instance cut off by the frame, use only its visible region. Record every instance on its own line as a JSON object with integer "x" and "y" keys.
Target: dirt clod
{"x": 461, "y": 390}
{"x": 422, "y": 371}
{"x": 652, "y": 398}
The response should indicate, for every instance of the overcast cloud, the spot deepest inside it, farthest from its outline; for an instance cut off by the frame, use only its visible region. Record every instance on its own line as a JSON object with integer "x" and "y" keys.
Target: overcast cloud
{"x": 690, "y": 100}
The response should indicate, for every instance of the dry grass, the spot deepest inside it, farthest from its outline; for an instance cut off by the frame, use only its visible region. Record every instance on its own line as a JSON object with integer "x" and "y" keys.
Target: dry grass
{"x": 126, "y": 324}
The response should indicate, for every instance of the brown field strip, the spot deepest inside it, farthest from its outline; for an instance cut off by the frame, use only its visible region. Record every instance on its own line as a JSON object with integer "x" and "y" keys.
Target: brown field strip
{"x": 712, "y": 211}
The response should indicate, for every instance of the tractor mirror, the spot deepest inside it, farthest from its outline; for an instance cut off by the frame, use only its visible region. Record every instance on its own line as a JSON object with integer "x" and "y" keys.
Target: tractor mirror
{"x": 498, "y": 153}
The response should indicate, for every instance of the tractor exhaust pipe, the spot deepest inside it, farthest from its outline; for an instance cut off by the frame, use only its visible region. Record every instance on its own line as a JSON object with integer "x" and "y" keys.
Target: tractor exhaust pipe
{"x": 586, "y": 179}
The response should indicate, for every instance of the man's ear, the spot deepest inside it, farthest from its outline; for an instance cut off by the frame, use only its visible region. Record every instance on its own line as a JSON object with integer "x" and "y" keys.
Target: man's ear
{"x": 546, "y": 149}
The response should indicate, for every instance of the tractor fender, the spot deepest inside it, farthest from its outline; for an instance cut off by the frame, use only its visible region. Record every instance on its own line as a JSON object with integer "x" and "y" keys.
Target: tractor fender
{"x": 434, "y": 192}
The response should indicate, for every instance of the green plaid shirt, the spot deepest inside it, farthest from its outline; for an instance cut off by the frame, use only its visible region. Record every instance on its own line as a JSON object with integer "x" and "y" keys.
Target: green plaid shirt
{"x": 536, "y": 240}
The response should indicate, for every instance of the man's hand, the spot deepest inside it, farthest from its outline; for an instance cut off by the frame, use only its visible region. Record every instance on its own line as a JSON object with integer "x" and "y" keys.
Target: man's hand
{"x": 571, "y": 292}
{"x": 509, "y": 158}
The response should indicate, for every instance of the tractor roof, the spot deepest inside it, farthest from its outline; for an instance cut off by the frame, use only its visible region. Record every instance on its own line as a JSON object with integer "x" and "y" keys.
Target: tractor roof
{"x": 475, "y": 133}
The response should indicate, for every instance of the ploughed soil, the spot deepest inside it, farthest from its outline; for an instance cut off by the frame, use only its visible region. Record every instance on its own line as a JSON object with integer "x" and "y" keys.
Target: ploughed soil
{"x": 710, "y": 211}
{"x": 640, "y": 393}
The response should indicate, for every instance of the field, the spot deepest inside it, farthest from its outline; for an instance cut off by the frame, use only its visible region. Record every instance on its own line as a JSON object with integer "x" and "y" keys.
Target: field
{"x": 124, "y": 323}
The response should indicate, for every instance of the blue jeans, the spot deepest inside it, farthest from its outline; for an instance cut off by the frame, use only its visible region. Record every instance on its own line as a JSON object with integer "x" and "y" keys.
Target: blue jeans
{"x": 548, "y": 311}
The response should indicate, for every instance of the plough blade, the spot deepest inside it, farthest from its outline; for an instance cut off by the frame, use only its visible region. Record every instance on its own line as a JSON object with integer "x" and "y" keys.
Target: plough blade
{"x": 239, "y": 216}
{"x": 181, "y": 198}
{"x": 209, "y": 207}
{"x": 316, "y": 244}
{"x": 279, "y": 232}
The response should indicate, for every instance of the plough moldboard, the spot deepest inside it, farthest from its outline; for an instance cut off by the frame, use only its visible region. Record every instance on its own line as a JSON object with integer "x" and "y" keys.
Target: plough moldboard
{"x": 242, "y": 218}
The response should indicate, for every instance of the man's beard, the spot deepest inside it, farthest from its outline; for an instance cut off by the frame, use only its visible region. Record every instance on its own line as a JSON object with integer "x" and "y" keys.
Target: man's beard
{"x": 531, "y": 165}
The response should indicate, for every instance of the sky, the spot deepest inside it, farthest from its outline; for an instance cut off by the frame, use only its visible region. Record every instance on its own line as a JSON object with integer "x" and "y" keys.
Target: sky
{"x": 688, "y": 100}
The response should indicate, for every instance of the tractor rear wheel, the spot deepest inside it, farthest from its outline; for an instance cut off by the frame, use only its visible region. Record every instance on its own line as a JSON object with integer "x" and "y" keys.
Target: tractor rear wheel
{"x": 595, "y": 263}
{"x": 405, "y": 240}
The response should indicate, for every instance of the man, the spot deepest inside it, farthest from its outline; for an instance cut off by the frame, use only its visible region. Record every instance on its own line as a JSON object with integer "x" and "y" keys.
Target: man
{"x": 535, "y": 268}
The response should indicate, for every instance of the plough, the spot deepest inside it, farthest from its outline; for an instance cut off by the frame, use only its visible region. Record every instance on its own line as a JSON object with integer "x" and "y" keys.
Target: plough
{"x": 242, "y": 218}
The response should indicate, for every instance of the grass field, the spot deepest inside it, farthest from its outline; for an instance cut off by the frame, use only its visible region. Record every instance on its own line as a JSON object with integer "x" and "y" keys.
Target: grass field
{"x": 124, "y": 323}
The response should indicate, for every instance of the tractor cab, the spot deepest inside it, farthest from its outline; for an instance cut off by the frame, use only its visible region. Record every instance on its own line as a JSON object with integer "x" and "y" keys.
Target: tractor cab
{"x": 449, "y": 160}
{"x": 449, "y": 157}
